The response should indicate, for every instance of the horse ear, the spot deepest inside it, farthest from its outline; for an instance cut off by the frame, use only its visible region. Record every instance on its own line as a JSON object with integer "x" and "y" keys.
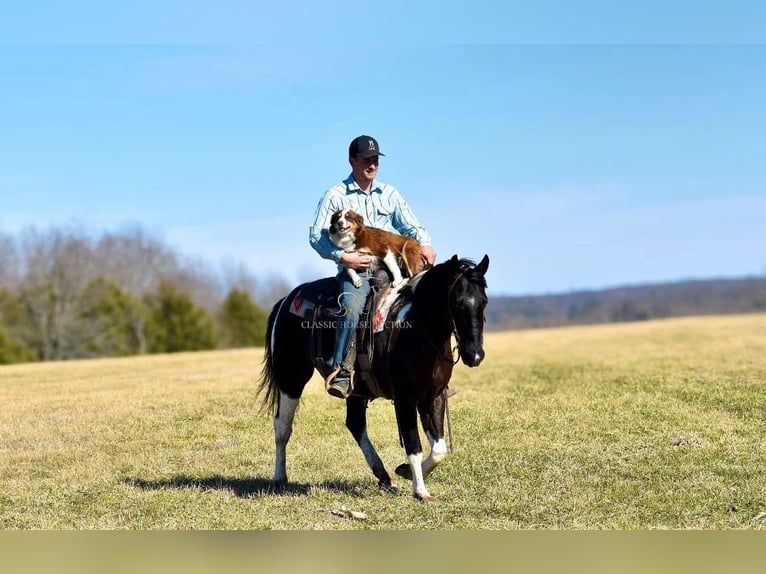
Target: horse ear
{"x": 483, "y": 265}
{"x": 454, "y": 259}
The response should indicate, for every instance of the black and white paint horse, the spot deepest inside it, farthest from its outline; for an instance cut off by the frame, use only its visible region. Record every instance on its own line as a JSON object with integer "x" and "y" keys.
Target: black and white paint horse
{"x": 412, "y": 365}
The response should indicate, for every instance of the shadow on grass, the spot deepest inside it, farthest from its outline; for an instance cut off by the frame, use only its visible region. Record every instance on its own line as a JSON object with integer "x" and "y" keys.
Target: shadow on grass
{"x": 247, "y": 487}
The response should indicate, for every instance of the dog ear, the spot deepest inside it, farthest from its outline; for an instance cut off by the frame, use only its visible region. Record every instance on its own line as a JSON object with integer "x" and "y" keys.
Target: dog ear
{"x": 356, "y": 217}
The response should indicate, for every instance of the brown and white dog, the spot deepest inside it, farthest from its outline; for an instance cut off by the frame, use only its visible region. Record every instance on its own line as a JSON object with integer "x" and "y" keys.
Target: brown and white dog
{"x": 348, "y": 232}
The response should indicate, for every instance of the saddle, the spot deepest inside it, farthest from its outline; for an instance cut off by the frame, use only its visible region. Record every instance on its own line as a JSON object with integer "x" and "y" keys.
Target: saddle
{"x": 317, "y": 303}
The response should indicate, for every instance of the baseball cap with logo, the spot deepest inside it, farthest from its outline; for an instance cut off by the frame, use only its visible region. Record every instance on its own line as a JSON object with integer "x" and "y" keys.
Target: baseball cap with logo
{"x": 364, "y": 146}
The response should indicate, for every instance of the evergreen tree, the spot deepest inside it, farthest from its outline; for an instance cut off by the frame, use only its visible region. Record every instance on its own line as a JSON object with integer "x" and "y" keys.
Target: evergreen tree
{"x": 176, "y": 323}
{"x": 243, "y": 323}
{"x": 106, "y": 320}
{"x": 15, "y": 330}
{"x": 12, "y": 351}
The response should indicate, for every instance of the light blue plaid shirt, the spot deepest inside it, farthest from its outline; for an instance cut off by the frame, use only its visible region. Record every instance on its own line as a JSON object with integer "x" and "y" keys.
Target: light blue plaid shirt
{"x": 384, "y": 207}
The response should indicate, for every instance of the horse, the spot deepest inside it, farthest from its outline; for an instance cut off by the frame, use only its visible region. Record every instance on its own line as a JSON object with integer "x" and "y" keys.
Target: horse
{"x": 412, "y": 362}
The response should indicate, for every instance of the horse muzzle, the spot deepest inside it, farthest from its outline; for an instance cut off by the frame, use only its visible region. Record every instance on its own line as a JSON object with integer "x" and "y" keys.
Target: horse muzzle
{"x": 472, "y": 357}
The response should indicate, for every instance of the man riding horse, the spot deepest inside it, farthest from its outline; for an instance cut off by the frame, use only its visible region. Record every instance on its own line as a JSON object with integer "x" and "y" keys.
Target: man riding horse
{"x": 382, "y": 206}
{"x": 409, "y": 360}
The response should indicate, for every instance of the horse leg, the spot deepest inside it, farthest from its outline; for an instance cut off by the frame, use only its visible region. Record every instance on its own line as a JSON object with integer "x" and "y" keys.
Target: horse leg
{"x": 283, "y": 428}
{"x": 407, "y": 418}
{"x": 356, "y": 422}
{"x": 432, "y": 419}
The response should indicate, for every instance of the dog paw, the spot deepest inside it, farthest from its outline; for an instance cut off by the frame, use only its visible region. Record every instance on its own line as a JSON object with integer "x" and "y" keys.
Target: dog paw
{"x": 357, "y": 282}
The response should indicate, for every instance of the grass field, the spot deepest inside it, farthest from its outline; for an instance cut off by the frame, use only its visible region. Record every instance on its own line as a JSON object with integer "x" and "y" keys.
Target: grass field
{"x": 656, "y": 425}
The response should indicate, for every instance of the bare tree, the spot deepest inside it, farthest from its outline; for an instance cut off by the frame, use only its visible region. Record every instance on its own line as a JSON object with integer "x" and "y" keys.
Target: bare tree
{"x": 200, "y": 280}
{"x": 135, "y": 260}
{"x": 271, "y": 289}
{"x": 139, "y": 262}
{"x": 58, "y": 264}
{"x": 237, "y": 276}
{"x": 9, "y": 262}
{"x": 49, "y": 272}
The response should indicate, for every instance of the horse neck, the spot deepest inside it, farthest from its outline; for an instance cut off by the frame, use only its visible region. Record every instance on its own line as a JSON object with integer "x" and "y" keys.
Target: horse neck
{"x": 432, "y": 312}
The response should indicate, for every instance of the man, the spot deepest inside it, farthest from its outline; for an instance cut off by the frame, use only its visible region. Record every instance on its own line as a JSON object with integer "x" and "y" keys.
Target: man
{"x": 383, "y": 207}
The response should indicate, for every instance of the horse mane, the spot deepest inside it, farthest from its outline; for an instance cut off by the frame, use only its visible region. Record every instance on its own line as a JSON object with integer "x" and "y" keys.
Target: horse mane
{"x": 448, "y": 268}
{"x": 420, "y": 290}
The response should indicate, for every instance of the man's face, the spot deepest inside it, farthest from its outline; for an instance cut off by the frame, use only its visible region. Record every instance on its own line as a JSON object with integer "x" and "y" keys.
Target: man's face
{"x": 364, "y": 167}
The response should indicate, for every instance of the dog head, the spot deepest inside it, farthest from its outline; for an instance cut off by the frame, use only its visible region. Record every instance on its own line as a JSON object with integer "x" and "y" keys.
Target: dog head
{"x": 344, "y": 225}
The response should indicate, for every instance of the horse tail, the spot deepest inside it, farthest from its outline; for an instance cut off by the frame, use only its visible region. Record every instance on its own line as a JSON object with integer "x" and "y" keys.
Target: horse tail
{"x": 268, "y": 384}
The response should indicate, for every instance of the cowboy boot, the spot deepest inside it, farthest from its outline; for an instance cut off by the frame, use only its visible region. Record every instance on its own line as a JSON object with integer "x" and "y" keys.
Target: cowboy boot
{"x": 340, "y": 382}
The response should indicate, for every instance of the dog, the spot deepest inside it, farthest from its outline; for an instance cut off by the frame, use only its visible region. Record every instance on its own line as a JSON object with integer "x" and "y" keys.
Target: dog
{"x": 348, "y": 232}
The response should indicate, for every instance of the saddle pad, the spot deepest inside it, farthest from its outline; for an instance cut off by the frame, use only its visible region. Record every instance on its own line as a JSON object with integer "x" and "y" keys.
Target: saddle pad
{"x": 384, "y": 305}
{"x": 325, "y": 291}
{"x": 322, "y": 292}
{"x": 301, "y": 306}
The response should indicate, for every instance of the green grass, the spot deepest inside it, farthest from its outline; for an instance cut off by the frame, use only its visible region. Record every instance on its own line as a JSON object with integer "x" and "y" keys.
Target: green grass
{"x": 656, "y": 425}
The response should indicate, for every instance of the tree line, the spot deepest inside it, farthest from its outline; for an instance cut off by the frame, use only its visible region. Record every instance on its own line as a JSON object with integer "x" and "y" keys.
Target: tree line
{"x": 635, "y": 303}
{"x": 66, "y": 293}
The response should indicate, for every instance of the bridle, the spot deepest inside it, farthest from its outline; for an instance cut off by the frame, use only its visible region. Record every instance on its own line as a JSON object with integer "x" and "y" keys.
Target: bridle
{"x": 453, "y": 326}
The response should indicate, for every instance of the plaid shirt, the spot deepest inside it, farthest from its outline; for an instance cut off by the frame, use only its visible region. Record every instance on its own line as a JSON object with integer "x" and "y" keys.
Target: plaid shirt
{"x": 384, "y": 207}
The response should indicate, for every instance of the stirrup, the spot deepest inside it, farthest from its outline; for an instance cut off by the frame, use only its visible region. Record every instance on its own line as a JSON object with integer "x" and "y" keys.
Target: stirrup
{"x": 339, "y": 383}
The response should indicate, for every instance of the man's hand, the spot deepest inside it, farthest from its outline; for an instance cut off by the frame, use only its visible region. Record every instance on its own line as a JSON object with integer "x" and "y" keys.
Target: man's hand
{"x": 428, "y": 254}
{"x": 356, "y": 260}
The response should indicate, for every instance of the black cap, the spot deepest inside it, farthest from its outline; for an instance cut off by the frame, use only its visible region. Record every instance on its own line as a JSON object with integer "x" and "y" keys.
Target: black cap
{"x": 364, "y": 146}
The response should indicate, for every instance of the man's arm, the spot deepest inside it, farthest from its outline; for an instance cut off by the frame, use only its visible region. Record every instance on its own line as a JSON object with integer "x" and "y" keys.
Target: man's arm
{"x": 319, "y": 237}
{"x": 405, "y": 222}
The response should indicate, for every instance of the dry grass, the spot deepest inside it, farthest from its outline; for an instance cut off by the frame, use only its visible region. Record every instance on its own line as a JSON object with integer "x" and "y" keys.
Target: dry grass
{"x": 639, "y": 426}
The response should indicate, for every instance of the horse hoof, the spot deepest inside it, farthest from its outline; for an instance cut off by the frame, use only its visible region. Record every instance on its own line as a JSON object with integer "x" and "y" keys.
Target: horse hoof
{"x": 426, "y": 499}
{"x": 279, "y": 485}
{"x": 389, "y": 487}
{"x": 404, "y": 471}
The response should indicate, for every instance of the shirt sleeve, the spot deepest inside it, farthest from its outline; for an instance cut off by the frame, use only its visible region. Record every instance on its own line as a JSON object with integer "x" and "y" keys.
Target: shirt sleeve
{"x": 319, "y": 237}
{"x": 405, "y": 222}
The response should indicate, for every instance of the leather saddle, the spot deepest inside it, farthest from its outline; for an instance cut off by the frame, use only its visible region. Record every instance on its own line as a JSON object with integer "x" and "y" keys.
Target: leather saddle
{"x": 317, "y": 303}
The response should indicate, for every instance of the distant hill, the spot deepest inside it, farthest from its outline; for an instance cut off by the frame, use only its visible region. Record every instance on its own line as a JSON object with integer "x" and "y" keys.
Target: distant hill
{"x": 634, "y": 303}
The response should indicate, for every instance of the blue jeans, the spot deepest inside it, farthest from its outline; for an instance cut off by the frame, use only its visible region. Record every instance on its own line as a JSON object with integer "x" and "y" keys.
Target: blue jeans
{"x": 352, "y": 300}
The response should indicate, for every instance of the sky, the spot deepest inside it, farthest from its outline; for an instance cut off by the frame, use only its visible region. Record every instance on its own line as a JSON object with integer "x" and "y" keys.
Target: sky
{"x": 577, "y": 152}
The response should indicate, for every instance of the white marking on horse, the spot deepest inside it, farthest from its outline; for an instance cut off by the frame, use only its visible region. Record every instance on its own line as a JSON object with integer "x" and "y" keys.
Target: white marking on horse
{"x": 370, "y": 454}
{"x": 283, "y": 428}
{"x": 437, "y": 454}
{"x": 419, "y": 489}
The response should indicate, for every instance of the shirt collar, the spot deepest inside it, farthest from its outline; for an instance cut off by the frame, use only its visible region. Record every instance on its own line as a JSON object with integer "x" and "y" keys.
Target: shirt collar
{"x": 353, "y": 187}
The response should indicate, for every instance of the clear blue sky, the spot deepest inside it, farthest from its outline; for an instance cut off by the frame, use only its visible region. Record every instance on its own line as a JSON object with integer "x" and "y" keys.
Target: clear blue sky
{"x": 577, "y": 152}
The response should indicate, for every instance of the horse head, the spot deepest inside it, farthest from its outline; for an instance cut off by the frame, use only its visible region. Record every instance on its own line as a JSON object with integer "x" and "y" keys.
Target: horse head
{"x": 467, "y": 299}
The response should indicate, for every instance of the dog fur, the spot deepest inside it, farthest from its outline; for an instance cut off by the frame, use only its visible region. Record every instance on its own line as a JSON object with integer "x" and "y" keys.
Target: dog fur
{"x": 348, "y": 232}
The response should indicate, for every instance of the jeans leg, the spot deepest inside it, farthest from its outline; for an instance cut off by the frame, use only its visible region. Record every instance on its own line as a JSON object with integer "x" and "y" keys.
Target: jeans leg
{"x": 352, "y": 300}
